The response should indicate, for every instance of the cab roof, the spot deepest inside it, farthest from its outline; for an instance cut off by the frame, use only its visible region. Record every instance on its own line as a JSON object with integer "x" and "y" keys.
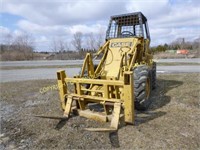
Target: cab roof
{"x": 128, "y": 19}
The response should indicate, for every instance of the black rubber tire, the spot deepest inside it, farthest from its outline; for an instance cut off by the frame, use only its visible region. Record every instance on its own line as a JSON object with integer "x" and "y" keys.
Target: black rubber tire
{"x": 142, "y": 77}
{"x": 154, "y": 75}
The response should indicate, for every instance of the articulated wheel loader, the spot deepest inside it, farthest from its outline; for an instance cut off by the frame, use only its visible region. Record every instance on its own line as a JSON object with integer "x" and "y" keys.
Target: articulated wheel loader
{"x": 120, "y": 83}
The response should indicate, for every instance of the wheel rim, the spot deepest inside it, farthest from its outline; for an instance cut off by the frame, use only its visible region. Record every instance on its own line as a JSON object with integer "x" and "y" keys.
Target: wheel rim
{"x": 147, "y": 88}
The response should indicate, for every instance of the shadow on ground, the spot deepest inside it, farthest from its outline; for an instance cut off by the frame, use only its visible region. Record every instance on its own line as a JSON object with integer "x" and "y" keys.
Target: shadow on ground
{"x": 158, "y": 100}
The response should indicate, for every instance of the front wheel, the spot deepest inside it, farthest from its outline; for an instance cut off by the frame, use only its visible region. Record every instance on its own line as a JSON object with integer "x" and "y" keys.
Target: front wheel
{"x": 142, "y": 87}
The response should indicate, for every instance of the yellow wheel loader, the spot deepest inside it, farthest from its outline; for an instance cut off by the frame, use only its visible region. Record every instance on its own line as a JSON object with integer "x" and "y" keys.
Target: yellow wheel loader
{"x": 122, "y": 80}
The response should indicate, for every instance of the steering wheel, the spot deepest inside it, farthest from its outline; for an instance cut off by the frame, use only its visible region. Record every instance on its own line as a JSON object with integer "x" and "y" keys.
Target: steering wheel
{"x": 127, "y": 33}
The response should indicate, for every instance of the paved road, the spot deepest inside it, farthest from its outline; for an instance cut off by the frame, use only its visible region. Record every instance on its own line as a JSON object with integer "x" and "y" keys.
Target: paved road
{"x": 187, "y": 60}
{"x": 33, "y": 74}
{"x": 41, "y": 63}
{"x": 77, "y": 62}
{"x": 50, "y": 73}
{"x": 178, "y": 69}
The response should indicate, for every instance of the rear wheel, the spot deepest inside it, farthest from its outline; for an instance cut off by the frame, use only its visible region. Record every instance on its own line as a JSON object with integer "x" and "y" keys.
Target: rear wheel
{"x": 142, "y": 87}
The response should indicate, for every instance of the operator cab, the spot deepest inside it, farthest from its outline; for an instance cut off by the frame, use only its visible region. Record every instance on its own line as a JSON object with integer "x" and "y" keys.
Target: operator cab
{"x": 128, "y": 25}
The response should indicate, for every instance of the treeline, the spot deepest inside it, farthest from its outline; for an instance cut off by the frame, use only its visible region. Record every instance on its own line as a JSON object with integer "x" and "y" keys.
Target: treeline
{"x": 179, "y": 43}
{"x": 68, "y": 55}
{"x": 22, "y": 47}
{"x": 17, "y": 48}
{"x": 79, "y": 45}
{"x": 79, "y": 42}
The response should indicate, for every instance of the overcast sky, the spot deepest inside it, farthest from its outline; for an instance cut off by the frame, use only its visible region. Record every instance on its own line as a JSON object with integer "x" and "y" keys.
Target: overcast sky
{"x": 46, "y": 19}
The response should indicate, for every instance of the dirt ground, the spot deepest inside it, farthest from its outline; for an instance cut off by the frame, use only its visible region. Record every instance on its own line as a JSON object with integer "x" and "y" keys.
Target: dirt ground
{"x": 172, "y": 121}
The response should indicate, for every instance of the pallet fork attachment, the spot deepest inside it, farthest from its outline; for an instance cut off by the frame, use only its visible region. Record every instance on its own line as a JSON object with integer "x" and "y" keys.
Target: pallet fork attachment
{"x": 100, "y": 92}
{"x": 114, "y": 121}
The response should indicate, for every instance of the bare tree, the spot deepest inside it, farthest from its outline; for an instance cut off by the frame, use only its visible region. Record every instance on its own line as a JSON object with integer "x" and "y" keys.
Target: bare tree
{"x": 24, "y": 39}
{"x": 6, "y": 44}
{"x": 61, "y": 46}
{"x": 77, "y": 41}
{"x": 67, "y": 46}
{"x": 8, "y": 40}
{"x": 58, "y": 46}
{"x": 91, "y": 42}
{"x": 100, "y": 38}
{"x": 54, "y": 45}
{"x": 24, "y": 45}
{"x": 196, "y": 44}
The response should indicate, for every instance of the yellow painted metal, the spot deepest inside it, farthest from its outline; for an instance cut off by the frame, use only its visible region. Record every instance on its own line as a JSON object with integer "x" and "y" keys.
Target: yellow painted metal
{"x": 96, "y": 98}
{"x": 62, "y": 87}
{"x": 94, "y": 81}
{"x": 101, "y": 129}
{"x": 111, "y": 83}
{"x": 68, "y": 106}
{"x": 116, "y": 114}
{"x": 128, "y": 97}
{"x": 99, "y": 67}
{"x": 93, "y": 115}
{"x": 101, "y": 49}
{"x": 89, "y": 64}
{"x": 114, "y": 122}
